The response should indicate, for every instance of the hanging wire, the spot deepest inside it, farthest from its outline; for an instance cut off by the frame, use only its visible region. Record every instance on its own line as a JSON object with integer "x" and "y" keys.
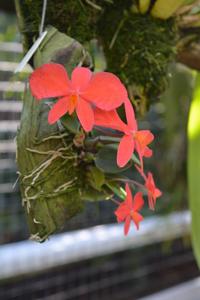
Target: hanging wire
{"x": 44, "y": 9}
{"x": 37, "y": 43}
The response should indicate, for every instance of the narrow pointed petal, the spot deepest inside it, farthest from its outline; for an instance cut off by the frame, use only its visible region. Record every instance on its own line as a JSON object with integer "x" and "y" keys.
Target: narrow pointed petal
{"x": 127, "y": 225}
{"x": 138, "y": 201}
{"x": 49, "y": 80}
{"x": 130, "y": 115}
{"x": 137, "y": 218}
{"x": 85, "y": 114}
{"x": 58, "y": 110}
{"x": 109, "y": 119}
{"x": 129, "y": 200}
{"x": 150, "y": 181}
{"x": 125, "y": 150}
{"x": 106, "y": 91}
{"x": 151, "y": 202}
{"x": 80, "y": 78}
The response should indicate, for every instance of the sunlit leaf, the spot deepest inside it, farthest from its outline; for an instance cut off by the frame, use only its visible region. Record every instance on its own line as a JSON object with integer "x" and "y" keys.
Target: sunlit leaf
{"x": 194, "y": 167}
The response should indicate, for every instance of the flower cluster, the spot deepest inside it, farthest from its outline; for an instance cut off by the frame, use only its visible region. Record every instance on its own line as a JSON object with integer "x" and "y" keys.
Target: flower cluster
{"x": 95, "y": 98}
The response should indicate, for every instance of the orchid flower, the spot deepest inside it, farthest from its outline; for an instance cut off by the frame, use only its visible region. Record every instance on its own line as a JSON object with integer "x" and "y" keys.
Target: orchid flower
{"x": 133, "y": 139}
{"x": 152, "y": 191}
{"x": 84, "y": 91}
{"x": 128, "y": 210}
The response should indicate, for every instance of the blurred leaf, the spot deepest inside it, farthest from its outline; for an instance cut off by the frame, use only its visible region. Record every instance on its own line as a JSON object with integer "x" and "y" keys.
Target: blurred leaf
{"x": 189, "y": 2}
{"x": 117, "y": 189}
{"x": 90, "y": 194}
{"x": 106, "y": 160}
{"x": 164, "y": 9}
{"x": 194, "y": 167}
{"x": 98, "y": 55}
{"x": 144, "y": 6}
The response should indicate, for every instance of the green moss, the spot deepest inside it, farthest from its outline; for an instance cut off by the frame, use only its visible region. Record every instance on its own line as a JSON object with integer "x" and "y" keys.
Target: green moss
{"x": 75, "y": 18}
{"x": 51, "y": 173}
{"x": 139, "y": 48}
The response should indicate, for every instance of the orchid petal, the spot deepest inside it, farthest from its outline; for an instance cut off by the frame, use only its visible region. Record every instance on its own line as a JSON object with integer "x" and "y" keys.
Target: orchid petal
{"x": 59, "y": 109}
{"x": 122, "y": 212}
{"x": 127, "y": 225}
{"x": 85, "y": 114}
{"x": 49, "y": 80}
{"x": 144, "y": 137}
{"x": 106, "y": 91}
{"x": 138, "y": 201}
{"x": 157, "y": 193}
{"x": 129, "y": 200}
{"x": 151, "y": 202}
{"x": 148, "y": 152}
{"x": 80, "y": 78}
{"x": 125, "y": 150}
{"x": 130, "y": 115}
{"x": 109, "y": 119}
{"x": 137, "y": 218}
{"x": 150, "y": 181}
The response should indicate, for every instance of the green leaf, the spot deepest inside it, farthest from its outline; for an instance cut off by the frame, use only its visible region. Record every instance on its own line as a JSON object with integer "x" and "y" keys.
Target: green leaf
{"x": 71, "y": 123}
{"x": 90, "y": 194}
{"x": 106, "y": 160}
{"x": 194, "y": 167}
{"x": 117, "y": 189}
{"x": 96, "y": 178}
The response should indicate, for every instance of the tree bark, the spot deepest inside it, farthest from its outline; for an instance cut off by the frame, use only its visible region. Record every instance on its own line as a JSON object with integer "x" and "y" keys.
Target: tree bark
{"x": 52, "y": 177}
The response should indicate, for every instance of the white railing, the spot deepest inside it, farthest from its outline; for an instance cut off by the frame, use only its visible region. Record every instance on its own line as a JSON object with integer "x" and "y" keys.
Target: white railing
{"x": 28, "y": 257}
{"x": 11, "y": 47}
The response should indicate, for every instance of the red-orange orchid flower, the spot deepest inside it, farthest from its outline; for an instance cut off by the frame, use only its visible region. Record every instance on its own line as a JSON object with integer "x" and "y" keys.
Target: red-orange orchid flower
{"x": 133, "y": 139}
{"x": 152, "y": 191}
{"x": 128, "y": 210}
{"x": 85, "y": 89}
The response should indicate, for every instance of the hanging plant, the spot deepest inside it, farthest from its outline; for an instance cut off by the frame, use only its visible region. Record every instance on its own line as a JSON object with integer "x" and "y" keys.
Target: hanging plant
{"x": 78, "y": 131}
